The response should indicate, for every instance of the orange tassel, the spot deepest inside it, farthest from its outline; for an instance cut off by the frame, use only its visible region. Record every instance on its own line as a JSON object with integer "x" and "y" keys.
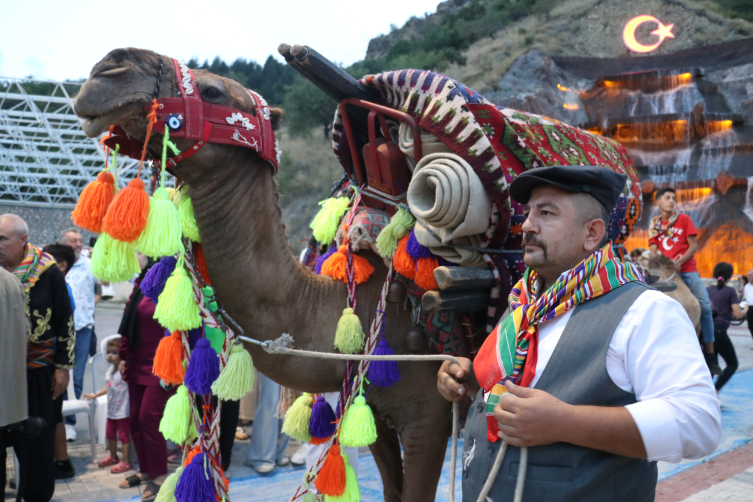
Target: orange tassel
{"x": 93, "y": 203}
{"x": 331, "y": 478}
{"x": 127, "y": 215}
{"x": 425, "y": 273}
{"x": 402, "y": 261}
{"x": 191, "y": 454}
{"x": 152, "y": 118}
{"x": 336, "y": 265}
{"x": 316, "y": 441}
{"x": 168, "y": 360}
{"x": 201, "y": 262}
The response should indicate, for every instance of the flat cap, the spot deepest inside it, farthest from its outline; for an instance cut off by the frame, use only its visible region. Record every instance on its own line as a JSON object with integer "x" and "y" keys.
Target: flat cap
{"x": 603, "y": 184}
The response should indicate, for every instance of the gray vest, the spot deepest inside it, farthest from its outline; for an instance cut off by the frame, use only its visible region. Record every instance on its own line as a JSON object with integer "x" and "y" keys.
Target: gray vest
{"x": 576, "y": 374}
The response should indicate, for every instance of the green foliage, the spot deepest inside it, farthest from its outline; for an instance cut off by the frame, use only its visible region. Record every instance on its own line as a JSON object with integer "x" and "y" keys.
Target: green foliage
{"x": 737, "y": 8}
{"x": 308, "y": 107}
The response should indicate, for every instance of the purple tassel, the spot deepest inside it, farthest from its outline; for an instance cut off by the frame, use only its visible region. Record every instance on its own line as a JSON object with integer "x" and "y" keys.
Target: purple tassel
{"x": 444, "y": 263}
{"x": 154, "y": 280}
{"x": 203, "y": 368}
{"x": 416, "y": 250}
{"x": 320, "y": 261}
{"x": 322, "y": 424}
{"x": 196, "y": 484}
{"x": 194, "y": 336}
{"x": 383, "y": 373}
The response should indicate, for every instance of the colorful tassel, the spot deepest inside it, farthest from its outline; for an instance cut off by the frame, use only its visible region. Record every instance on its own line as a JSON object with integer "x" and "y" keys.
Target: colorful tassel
{"x": 352, "y": 493}
{"x": 187, "y": 220}
{"x": 318, "y": 441}
{"x": 328, "y": 218}
{"x": 320, "y": 261}
{"x": 201, "y": 263}
{"x": 194, "y": 335}
{"x": 191, "y": 454}
{"x": 336, "y": 266}
{"x": 332, "y": 477}
{"x": 196, "y": 483}
{"x": 396, "y": 229}
{"x": 297, "y": 419}
{"x": 415, "y": 249}
{"x": 402, "y": 261}
{"x": 425, "y": 273}
{"x": 93, "y": 202}
{"x": 349, "y": 336}
{"x": 237, "y": 378}
{"x": 358, "y": 427}
{"x": 176, "y": 309}
{"x": 114, "y": 261}
{"x": 167, "y": 490}
{"x": 155, "y": 279}
{"x": 128, "y": 213}
{"x": 176, "y": 419}
{"x": 168, "y": 359}
{"x": 383, "y": 373}
{"x": 322, "y": 424}
{"x": 203, "y": 368}
{"x": 161, "y": 237}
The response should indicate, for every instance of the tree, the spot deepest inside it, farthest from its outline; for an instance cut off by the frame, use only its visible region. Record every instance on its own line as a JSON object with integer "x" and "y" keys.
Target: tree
{"x": 307, "y": 107}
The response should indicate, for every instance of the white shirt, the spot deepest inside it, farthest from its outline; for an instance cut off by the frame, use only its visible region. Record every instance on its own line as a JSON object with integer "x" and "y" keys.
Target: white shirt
{"x": 81, "y": 281}
{"x": 655, "y": 354}
{"x": 748, "y": 293}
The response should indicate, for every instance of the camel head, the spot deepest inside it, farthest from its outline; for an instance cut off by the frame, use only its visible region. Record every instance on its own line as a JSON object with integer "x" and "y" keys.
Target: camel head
{"x": 123, "y": 84}
{"x": 664, "y": 264}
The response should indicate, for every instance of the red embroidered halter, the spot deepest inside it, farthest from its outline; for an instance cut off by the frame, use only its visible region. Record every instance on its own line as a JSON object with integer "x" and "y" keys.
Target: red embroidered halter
{"x": 192, "y": 118}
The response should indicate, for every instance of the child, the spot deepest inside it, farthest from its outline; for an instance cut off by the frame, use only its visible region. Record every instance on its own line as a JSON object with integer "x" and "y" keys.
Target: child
{"x": 117, "y": 410}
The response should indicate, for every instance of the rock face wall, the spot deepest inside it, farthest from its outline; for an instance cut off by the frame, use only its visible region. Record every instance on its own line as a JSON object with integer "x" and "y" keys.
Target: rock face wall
{"x": 45, "y": 223}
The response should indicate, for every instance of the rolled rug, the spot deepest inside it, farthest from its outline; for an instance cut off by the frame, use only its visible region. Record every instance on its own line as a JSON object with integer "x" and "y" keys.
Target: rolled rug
{"x": 448, "y": 196}
{"x": 463, "y": 257}
{"x": 429, "y": 144}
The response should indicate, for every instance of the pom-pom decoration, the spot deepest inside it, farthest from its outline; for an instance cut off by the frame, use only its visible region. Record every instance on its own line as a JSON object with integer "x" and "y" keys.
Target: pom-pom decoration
{"x": 352, "y": 493}
{"x": 187, "y": 220}
{"x": 383, "y": 373}
{"x": 358, "y": 426}
{"x": 114, "y": 261}
{"x": 332, "y": 477}
{"x": 196, "y": 483}
{"x": 336, "y": 266}
{"x": 297, "y": 419}
{"x": 176, "y": 419}
{"x": 402, "y": 261}
{"x": 237, "y": 377}
{"x": 167, "y": 490}
{"x": 415, "y": 249}
{"x": 155, "y": 279}
{"x": 398, "y": 227}
{"x": 176, "y": 309}
{"x": 328, "y": 218}
{"x": 425, "y": 273}
{"x": 93, "y": 202}
{"x": 203, "y": 368}
{"x": 320, "y": 260}
{"x": 168, "y": 359}
{"x": 349, "y": 336}
{"x": 323, "y": 419}
{"x": 161, "y": 237}
{"x": 128, "y": 213}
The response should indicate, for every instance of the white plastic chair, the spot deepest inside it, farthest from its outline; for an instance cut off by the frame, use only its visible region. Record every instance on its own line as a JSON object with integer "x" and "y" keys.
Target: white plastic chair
{"x": 73, "y": 406}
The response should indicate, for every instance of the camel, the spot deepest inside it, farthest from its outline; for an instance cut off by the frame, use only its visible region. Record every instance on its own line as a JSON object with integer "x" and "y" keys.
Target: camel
{"x": 259, "y": 280}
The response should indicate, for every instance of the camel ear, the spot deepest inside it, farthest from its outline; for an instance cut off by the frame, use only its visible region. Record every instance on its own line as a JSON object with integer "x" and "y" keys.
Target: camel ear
{"x": 277, "y": 114}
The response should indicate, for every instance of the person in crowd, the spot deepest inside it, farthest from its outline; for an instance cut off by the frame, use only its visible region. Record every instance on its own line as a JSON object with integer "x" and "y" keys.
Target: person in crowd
{"x": 726, "y": 304}
{"x": 118, "y": 424}
{"x": 748, "y": 295}
{"x": 268, "y": 443}
{"x": 14, "y": 331}
{"x": 50, "y": 350}
{"x": 673, "y": 234}
{"x": 582, "y": 373}
{"x": 141, "y": 335}
{"x": 82, "y": 283}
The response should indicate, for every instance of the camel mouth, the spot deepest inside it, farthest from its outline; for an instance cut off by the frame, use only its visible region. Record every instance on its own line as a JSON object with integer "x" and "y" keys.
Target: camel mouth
{"x": 96, "y": 124}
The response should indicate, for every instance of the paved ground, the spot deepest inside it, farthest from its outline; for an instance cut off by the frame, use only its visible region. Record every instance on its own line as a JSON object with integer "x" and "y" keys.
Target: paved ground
{"x": 727, "y": 474}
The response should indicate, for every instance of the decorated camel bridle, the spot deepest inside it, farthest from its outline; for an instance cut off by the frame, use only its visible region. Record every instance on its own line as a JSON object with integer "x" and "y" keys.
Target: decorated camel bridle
{"x": 192, "y": 118}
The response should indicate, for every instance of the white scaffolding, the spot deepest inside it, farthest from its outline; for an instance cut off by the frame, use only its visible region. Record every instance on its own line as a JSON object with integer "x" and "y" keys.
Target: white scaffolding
{"x": 45, "y": 157}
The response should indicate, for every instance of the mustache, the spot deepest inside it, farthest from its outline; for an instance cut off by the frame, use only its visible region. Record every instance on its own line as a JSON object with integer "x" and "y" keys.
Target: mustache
{"x": 533, "y": 239}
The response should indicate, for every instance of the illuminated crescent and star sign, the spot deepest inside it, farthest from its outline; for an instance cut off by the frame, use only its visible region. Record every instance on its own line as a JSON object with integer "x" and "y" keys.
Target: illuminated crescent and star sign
{"x": 628, "y": 34}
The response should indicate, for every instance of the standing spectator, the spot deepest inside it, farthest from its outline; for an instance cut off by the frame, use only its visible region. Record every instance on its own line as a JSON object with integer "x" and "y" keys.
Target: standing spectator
{"x": 674, "y": 235}
{"x": 268, "y": 443}
{"x": 81, "y": 281}
{"x": 50, "y": 351}
{"x": 141, "y": 335}
{"x": 748, "y": 294}
{"x": 726, "y": 304}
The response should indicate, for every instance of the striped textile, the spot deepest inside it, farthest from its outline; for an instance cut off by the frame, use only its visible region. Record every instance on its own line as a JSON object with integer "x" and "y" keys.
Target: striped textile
{"x": 510, "y": 352}
{"x": 658, "y": 227}
{"x": 35, "y": 262}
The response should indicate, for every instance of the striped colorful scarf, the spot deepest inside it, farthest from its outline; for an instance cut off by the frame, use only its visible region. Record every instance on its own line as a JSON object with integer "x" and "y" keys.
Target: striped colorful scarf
{"x": 511, "y": 351}
{"x": 35, "y": 262}
{"x": 658, "y": 227}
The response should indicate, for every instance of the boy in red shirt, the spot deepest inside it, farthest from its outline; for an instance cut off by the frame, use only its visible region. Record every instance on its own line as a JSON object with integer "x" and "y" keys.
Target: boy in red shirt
{"x": 674, "y": 235}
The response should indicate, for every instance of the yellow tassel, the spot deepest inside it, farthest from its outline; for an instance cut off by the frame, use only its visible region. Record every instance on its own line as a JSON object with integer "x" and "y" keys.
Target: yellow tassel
{"x": 297, "y": 419}
{"x": 349, "y": 337}
{"x": 358, "y": 428}
{"x": 187, "y": 220}
{"x": 325, "y": 223}
{"x": 161, "y": 237}
{"x": 176, "y": 309}
{"x": 114, "y": 261}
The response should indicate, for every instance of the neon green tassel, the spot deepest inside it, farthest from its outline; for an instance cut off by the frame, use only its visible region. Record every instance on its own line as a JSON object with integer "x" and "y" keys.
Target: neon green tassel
{"x": 237, "y": 378}
{"x": 187, "y": 220}
{"x": 161, "y": 237}
{"x": 398, "y": 227}
{"x": 113, "y": 261}
{"x": 352, "y": 492}
{"x": 177, "y": 417}
{"x": 297, "y": 419}
{"x": 349, "y": 337}
{"x": 176, "y": 309}
{"x": 167, "y": 490}
{"x": 328, "y": 218}
{"x": 358, "y": 428}
{"x": 175, "y": 195}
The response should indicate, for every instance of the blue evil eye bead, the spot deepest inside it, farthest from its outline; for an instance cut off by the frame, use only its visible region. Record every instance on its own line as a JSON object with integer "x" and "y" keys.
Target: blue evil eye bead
{"x": 175, "y": 121}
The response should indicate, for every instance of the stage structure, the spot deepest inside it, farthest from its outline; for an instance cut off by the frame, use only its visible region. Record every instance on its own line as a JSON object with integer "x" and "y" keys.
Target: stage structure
{"x": 45, "y": 157}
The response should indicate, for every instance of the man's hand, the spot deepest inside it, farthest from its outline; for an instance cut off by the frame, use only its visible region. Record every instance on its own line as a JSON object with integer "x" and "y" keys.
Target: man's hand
{"x": 60, "y": 383}
{"x": 455, "y": 381}
{"x": 529, "y": 417}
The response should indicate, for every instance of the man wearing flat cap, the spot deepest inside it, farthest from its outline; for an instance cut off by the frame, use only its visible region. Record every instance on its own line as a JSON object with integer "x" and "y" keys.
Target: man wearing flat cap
{"x": 595, "y": 374}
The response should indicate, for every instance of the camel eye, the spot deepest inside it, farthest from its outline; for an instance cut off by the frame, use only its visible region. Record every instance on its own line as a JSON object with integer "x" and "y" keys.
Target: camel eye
{"x": 211, "y": 93}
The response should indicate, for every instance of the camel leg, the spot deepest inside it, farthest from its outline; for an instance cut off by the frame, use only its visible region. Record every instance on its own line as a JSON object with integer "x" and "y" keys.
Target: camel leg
{"x": 386, "y": 451}
{"x": 424, "y": 448}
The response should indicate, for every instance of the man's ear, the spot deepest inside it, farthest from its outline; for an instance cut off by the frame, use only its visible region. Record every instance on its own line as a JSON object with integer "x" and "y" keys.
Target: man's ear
{"x": 595, "y": 231}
